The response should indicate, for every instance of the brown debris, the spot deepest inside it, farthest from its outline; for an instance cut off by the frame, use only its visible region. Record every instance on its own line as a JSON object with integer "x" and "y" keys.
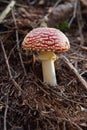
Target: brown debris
{"x": 40, "y": 106}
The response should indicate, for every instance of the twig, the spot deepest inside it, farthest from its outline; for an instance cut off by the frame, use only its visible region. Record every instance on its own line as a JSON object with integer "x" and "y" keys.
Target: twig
{"x": 17, "y": 40}
{"x": 74, "y": 71}
{"x": 17, "y": 4}
{"x": 56, "y": 4}
{"x": 5, "y": 114}
{"x": 74, "y": 13}
{"x": 84, "y": 48}
{"x": 41, "y": 88}
{"x": 33, "y": 2}
{"x": 11, "y": 51}
{"x": 8, "y": 66}
{"x": 80, "y": 23}
{"x": 76, "y": 125}
{"x": 7, "y": 10}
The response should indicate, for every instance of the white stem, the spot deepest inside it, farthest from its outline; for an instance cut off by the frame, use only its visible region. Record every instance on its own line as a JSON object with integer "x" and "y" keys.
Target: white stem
{"x": 49, "y": 72}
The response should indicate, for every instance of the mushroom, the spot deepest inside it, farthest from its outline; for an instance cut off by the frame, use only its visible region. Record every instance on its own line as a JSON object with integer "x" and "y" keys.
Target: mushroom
{"x": 47, "y": 41}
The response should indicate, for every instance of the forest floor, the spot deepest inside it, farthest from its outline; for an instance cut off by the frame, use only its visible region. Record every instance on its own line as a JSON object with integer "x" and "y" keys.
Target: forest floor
{"x": 26, "y": 103}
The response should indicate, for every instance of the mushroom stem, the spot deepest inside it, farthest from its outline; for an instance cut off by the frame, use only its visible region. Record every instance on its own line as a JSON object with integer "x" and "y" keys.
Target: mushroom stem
{"x": 48, "y": 67}
{"x": 49, "y": 75}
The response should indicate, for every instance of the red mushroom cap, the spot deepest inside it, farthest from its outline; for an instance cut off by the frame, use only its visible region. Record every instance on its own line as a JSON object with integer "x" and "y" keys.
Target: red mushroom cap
{"x": 46, "y": 39}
